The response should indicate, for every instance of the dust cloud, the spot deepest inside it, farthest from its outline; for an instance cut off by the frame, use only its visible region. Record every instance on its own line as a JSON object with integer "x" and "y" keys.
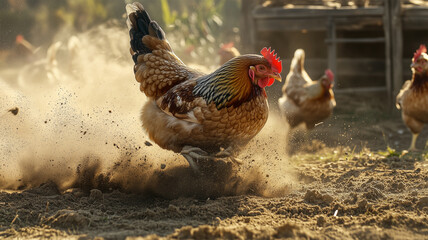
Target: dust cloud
{"x": 78, "y": 126}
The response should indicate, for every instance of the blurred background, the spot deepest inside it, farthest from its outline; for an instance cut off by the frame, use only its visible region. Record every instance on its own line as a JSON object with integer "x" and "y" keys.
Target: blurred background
{"x": 367, "y": 43}
{"x": 194, "y": 27}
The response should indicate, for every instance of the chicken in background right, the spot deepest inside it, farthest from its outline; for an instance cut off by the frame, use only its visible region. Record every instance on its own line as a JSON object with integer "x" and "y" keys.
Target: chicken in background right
{"x": 304, "y": 100}
{"x": 413, "y": 96}
{"x": 227, "y": 51}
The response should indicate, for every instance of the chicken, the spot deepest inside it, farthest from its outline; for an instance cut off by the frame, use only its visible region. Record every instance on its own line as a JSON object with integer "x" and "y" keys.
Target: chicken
{"x": 227, "y": 51}
{"x": 413, "y": 96}
{"x": 200, "y": 116}
{"x": 24, "y": 46}
{"x": 41, "y": 71}
{"x": 304, "y": 100}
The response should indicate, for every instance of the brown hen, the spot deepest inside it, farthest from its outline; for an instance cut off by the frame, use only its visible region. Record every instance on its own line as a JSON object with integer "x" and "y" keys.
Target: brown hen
{"x": 200, "y": 116}
{"x": 413, "y": 96}
{"x": 304, "y": 100}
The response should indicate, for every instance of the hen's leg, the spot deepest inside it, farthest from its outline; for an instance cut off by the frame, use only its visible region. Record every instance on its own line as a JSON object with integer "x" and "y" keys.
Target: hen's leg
{"x": 413, "y": 144}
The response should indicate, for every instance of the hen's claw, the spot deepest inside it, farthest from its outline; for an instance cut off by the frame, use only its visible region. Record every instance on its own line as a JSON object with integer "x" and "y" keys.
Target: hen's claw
{"x": 227, "y": 153}
{"x": 192, "y": 163}
{"x": 194, "y": 153}
{"x": 190, "y": 149}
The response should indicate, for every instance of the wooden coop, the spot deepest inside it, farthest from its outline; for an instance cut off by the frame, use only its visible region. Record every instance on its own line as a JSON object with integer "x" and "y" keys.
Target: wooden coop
{"x": 368, "y": 44}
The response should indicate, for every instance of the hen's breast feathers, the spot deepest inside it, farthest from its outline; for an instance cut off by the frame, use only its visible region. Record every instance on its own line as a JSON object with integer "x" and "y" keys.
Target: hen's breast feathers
{"x": 413, "y": 102}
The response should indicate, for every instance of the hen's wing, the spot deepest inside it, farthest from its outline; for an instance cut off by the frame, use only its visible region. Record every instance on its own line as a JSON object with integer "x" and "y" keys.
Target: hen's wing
{"x": 399, "y": 98}
{"x": 157, "y": 68}
{"x": 181, "y": 103}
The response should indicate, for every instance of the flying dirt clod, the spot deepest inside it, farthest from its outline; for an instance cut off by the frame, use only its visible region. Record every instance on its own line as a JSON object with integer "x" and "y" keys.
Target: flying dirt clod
{"x": 14, "y": 110}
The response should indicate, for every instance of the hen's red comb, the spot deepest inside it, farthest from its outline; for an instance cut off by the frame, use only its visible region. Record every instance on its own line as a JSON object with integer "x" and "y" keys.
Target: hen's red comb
{"x": 422, "y": 49}
{"x": 19, "y": 38}
{"x": 329, "y": 74}
{"x": 227, "y": 45}
{"x": 272, "y": 59}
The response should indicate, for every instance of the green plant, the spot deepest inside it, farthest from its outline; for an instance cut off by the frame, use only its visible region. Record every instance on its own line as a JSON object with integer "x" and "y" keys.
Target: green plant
{"x": 390, "y": 152}
{"x": 194, "y": 28}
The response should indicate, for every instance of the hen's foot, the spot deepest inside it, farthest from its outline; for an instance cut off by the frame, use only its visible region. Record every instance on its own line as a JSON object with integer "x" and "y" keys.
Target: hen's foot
{"x": 194, "y": 153}
{"x": 227, "y": 153}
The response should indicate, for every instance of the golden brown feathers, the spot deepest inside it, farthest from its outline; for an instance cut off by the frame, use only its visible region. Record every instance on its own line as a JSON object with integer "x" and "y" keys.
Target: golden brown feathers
{"x": 230, "y": 85}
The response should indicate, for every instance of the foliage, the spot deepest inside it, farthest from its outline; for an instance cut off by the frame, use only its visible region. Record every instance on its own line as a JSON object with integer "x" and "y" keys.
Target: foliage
{"x": 196, "y": 28}
{"x": 40, "y": 20}
{"x": 81, "y": 14}
{"x": 168, "y": 16}
{"x": 390, "y": 152}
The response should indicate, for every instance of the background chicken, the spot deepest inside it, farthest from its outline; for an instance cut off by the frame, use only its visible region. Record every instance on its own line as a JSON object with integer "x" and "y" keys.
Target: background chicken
{"x": 200, "y": 116}
{"x": 304, "y": 100}
{"x": 227, "y": 51}
{"x": 413, "y": 97}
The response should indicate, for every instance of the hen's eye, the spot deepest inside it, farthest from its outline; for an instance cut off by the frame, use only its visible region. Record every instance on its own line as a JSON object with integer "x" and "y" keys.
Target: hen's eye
{"x": 261, "y": 68}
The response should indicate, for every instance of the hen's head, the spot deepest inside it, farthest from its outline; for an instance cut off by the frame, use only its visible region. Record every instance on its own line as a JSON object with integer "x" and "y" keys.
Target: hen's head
{"x": 264, "y": 72}
{"x": 240, "y": 79}
{"x": 420, "y": 61}
{"x": 328, "y": 79}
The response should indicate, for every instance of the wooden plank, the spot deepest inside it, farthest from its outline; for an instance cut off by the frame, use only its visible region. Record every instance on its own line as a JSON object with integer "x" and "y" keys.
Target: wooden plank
{"x": 363, "y": 67}
{"x": 397, "y": 46}
{"x": 313, "y": 24}
{"x": 360, "y": 89}
{"x": 332, "y": 47}
{"x": 314, "y": 12}
{"x": 415, "y": 18}
{"x": 388, "y": 69}
{"x": 355, "y": 40}
{"x": 415, "y": 11}
{"x": 316, "y": 24}
{"x": 247, "y": 23}
{"x": 419, "y": 23}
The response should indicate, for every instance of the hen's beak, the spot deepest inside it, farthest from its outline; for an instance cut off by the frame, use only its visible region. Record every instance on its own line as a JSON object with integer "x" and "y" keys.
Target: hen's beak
{"x": 276, "y": 76}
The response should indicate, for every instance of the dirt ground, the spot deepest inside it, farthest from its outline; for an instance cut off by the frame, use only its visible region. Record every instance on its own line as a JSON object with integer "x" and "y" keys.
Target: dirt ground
{"x": 75, "y": 164}
{"x": 346, "y": 191}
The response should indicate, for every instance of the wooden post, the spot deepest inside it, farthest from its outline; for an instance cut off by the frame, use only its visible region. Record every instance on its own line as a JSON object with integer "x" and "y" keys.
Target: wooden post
{"x": 247, "y": 29}
{"x": 397, "y": 46}
{"x": 388, "y": 71}
{"x": 331, "y": 35}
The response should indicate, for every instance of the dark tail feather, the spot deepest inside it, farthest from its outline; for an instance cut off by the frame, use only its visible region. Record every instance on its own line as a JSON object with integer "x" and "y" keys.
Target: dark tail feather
{"x": 140, "y": 25}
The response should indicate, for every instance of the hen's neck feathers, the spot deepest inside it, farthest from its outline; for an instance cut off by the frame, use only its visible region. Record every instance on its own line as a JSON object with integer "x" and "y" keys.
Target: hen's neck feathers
{"x": 420, "y": 81}
{"x": 230, "y": 85}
